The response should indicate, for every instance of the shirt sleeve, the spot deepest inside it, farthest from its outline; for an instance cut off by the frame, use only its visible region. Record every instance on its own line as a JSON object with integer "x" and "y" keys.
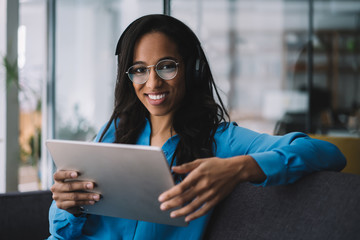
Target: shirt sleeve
{"x": 285, "y": 159}
{"x": 64, "y": 225}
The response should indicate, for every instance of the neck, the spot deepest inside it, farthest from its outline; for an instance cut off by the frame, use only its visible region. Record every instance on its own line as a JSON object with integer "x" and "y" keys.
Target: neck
{"x": 161, "y": 130}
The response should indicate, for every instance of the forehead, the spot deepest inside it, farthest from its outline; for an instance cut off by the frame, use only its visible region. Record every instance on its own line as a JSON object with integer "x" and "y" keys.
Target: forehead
{"x": 154, "y": 46}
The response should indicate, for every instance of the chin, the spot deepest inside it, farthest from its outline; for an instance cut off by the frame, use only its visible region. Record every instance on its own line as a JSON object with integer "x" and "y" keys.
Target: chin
{"x": 159, "y": 113}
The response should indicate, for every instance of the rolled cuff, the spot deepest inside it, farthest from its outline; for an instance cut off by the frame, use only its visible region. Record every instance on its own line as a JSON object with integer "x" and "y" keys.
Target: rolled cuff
{"x": 273, "y": 166}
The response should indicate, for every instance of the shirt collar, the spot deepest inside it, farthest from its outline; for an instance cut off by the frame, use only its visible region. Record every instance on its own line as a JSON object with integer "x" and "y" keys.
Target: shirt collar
{"x": 144, "y": 139}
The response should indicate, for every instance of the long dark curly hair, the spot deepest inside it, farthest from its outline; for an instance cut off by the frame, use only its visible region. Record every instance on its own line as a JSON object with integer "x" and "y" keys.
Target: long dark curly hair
{"x": 199, "y": 115}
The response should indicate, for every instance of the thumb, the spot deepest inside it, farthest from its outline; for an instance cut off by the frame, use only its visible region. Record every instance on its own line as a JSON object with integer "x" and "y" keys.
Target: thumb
{"x": 186, "y": 167}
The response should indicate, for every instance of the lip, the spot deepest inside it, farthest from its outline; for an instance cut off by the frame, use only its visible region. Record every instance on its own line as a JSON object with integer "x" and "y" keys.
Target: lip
{"x": 158, "y": 98}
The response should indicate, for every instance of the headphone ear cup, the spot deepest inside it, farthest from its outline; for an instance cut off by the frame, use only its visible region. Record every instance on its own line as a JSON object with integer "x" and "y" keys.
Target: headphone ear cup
{"x": 199, "y": 69}
{"x": 199, "y": 65}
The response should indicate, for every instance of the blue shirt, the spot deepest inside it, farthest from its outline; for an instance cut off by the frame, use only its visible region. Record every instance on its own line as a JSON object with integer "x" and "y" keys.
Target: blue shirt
{"x": 284, "y": 159}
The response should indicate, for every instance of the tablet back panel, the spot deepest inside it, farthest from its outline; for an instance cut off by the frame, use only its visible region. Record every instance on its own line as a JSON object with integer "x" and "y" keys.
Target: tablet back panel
{"x": 129, "y": 178}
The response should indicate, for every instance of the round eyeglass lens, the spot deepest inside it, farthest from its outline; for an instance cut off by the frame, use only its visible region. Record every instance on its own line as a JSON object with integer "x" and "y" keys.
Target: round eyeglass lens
{"x": 138, "y": 73}
{"x": 166, "y": 69}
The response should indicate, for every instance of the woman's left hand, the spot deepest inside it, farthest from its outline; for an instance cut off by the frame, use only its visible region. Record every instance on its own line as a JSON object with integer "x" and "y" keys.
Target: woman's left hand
{"x": 209, "y": 180}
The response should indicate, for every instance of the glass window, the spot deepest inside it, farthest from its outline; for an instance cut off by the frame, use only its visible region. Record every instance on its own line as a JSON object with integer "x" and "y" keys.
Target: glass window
{"x": 259, "y": 54}
{"x": 3, "y": 36}
{"x": 86, "y": 37}
{"x": 243, "y": 41}
{"x": 32, "y": 73}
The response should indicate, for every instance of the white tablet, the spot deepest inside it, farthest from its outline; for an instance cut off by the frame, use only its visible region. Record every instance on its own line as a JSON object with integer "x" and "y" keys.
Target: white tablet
{"x": 129, "y": 178}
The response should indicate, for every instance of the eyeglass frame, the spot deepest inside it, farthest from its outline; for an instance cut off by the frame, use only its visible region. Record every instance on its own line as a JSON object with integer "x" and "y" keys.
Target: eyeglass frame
{"x": 151, "y": 66}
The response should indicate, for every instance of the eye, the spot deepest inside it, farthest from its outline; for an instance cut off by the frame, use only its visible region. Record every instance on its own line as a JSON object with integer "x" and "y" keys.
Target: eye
{"x": 166, "y": 66}
{"x": 138, "y": 69}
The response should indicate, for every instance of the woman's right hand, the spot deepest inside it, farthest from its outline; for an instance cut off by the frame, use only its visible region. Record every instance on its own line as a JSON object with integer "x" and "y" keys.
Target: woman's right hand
{"x": 70, "y": 195}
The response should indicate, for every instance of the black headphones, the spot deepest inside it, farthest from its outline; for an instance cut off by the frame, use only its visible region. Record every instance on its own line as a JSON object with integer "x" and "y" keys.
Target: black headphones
{"x": 199, "y": 64}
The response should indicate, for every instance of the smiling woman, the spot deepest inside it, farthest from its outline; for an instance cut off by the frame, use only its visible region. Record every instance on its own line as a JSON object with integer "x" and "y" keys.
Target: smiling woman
{"x": 208, "y": 155}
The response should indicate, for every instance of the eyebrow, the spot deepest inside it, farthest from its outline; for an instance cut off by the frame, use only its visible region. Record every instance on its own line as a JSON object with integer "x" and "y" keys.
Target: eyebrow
{"x": 163, "y": 58}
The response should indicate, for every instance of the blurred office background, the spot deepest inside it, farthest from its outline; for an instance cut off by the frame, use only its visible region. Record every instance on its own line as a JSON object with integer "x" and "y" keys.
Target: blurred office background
{"x": 281, "y": 65}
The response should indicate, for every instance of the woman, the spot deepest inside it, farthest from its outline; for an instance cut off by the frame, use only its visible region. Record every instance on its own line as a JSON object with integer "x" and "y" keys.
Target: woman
{"x": 164, "y": 96}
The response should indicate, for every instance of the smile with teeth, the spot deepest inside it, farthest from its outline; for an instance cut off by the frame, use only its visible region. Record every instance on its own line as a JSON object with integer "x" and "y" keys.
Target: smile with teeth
{"x": 156, "y": 96}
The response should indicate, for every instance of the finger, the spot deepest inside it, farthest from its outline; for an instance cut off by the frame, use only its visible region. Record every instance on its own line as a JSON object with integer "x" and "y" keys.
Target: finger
{"x": 75, "y": 186}
{"x": 187, "y": 167}
{"x": 195, "y": 204}
{"x": 197, "y": 189}
{"x": 68, "y": 205}
{"x": 172, "y": 192}
{"x": 61, "y": 175}
{"x": 178, "y": 201}
{"x": 59, "y": 187}
{"x": 188, "y": 182}
{"x": 75, "y": 196}
{"x": 201, "y": 211}
{"x": 214, "y": 198}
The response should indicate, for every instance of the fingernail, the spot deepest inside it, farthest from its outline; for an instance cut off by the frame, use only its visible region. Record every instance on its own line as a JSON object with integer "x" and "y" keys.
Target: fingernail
{"x": 96, "y": 197}
{"x": 161, "y": 198}
{"x": 163, "y": 207}
{"x": 89, "y": 186}
{"x": 91, "y": 202}
{"x": 187, "y": 219}
{"x": 73, "y": 174}
{"x": 172, "y": 215}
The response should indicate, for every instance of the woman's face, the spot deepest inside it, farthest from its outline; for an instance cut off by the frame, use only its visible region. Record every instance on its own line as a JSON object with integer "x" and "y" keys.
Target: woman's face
{"x": 160, "y": 97}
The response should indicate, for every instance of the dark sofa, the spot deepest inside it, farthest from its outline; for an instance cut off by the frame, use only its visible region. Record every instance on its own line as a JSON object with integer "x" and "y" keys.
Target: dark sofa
{"x": 323, "y": 205}
{"x": 24, "y": 215}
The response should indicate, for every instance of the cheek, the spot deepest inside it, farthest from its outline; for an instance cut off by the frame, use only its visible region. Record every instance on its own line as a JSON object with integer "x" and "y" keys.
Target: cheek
{"x": 137, "y": 89}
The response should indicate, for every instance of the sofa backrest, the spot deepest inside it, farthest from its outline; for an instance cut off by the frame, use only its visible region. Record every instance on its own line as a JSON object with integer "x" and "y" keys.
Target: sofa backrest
{"x": 323, "y": 205}
{"x": 24, "y": 215}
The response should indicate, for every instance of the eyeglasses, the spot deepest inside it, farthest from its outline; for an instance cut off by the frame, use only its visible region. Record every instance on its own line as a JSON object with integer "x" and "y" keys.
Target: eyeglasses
{"x": 166, "y": 69}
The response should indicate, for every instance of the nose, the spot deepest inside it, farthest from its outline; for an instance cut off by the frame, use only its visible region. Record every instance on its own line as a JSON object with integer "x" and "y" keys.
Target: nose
{"x": 154, "y": 80}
